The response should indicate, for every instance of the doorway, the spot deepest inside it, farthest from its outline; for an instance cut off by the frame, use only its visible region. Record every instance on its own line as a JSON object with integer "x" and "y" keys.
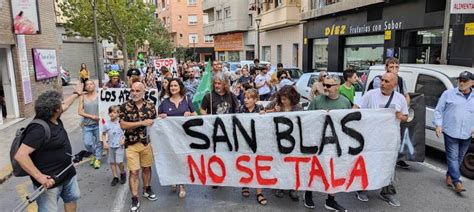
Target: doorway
{"x": 8, "y": 94}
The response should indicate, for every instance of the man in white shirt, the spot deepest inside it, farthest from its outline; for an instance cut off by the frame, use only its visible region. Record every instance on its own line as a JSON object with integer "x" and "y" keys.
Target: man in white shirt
{"x": 385, "y": 97}
{"x": 262, "y": 83}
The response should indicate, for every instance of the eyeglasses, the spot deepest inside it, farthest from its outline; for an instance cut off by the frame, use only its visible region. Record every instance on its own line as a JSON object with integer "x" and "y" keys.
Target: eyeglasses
{"x": 329, "y": 85}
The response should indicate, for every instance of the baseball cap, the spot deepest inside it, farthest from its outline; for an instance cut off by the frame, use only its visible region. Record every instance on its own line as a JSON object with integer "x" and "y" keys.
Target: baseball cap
{"x": 466, "y": 75}
{"x": 285, "y": 82}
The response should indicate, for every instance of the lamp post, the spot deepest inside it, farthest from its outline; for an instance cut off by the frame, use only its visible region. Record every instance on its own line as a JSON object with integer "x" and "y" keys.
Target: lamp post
{"x": 194, "y": 49}
{"x": 98, "y": 64}
{"x": 257, "y": 21}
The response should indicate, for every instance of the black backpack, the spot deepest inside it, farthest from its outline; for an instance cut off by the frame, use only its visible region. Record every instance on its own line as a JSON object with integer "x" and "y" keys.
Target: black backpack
{"x": 20, "y": 134}
{"x": 400, "y": 83}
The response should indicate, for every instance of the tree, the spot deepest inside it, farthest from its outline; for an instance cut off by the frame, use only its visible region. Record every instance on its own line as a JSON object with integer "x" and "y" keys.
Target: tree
{"x": 124, "y": 22}
{"x": 160, "y": 41}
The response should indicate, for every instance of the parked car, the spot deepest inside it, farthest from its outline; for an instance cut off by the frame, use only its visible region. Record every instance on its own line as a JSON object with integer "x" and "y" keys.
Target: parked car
{"x": 431, "y": 81}
{"x": 233, "y": 66}
{"x": 250, "y": 64}
{"x": 305, "y": 82}
{"x": 295, "y": 72}
{"x": 65, "y": 76}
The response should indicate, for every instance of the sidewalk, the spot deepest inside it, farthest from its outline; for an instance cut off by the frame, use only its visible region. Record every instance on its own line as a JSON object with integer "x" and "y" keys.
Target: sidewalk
{"x": 70, "y": 120}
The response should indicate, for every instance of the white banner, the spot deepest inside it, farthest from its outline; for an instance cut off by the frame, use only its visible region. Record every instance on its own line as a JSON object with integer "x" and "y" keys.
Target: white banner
{"x": 462, "y": 7}
{"x": 117, "y": 96}
{"x": 335, "y": 151}
{"x": 169, "y": 63}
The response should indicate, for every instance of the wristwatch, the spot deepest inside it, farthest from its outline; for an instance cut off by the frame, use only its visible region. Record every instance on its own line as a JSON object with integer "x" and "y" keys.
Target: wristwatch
{"x": 75, "y": 92}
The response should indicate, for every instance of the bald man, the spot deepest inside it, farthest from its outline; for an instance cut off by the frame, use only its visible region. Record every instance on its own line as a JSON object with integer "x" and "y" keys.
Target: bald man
{"x": 385, "y": 97}
{"x": 136, "y": 115}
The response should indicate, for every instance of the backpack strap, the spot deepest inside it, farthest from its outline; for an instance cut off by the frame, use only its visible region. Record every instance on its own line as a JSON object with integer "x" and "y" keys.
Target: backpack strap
{"x": 400, "y": 85}
{"x": 47, "y": 130}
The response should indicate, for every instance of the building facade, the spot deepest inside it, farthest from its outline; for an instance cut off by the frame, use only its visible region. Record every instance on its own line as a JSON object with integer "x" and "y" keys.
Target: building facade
{"x": 19, "y": 85}
{"x": 339, "y": 34}
{"x": 281, "y": 32}
{"x": 232, "y": 25}
{"x": 185, "y": 20}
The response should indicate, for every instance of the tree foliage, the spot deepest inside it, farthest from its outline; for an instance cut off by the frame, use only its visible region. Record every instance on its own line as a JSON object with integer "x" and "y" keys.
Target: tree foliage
{"x": 127, "y": 23}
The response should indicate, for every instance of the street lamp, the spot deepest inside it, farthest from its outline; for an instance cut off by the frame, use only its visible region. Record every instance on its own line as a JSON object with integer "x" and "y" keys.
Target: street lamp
{"x": 258, "y": 20}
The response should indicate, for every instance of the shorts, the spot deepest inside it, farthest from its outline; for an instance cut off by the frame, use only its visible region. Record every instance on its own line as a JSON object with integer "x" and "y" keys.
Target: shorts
{"x": 116, "y": 155}
{"x": 68, "y": 192}
{"x": 138, "y": 156}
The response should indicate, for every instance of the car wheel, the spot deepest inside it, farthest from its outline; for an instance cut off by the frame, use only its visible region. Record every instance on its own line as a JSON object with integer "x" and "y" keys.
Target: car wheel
{"x": 64, "y": 82}
{"x": 467, "y": 166}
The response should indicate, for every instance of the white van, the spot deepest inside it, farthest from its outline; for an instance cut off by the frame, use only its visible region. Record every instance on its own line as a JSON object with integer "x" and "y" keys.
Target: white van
{"x": 431, "y": 80}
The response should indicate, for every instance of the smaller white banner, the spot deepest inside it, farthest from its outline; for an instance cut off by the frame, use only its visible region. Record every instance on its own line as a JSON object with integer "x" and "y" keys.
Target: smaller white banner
{"x": 169, "y": 63}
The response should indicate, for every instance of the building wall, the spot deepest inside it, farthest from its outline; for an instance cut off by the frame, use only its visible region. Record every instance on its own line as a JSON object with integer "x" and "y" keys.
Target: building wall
{"x": 285, "y": 37}
{"x": 47, "y": 39}
{"x": 179, "y": 26}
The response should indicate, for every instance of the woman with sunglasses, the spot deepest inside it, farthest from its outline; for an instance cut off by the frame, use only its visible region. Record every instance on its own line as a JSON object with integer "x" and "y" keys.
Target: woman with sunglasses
{"x": 317, "y": 87}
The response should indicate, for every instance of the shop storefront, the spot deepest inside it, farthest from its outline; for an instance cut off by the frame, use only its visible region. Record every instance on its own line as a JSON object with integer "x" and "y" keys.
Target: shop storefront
{"x": 361, "y": 39}
{"x": 229, "y": 47}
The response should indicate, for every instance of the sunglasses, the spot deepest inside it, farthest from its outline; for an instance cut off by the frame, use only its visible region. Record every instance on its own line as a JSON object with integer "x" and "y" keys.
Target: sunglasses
{"x": 329, "y": 85}
{"x": 463, "y": 80}
{"x": 283, "y": 78}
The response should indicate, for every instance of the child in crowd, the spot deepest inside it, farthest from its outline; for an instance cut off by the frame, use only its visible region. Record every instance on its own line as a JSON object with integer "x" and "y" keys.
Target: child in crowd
{"x": 250, "y": 106}
{"x": 113, "y": 139}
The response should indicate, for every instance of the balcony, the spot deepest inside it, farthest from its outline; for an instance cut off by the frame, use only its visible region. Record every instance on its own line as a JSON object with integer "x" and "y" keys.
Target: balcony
{"x": 282, "y": 16}
{"x": 327, "y": 7}
{"x": 225, "y": 26}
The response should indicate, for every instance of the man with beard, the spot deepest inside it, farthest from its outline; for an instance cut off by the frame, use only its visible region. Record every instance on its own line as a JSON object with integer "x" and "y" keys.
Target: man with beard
{"x": 135, "y": 116}
{"x": 220, "y": 100}
{"x": 454, "y": 118}
{"x": 191, "y": 83}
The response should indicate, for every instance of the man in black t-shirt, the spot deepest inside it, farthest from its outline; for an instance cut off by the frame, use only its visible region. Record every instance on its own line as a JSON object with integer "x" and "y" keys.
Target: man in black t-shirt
{"x": 222, "y": 100}
{"x": 43, "y": 159}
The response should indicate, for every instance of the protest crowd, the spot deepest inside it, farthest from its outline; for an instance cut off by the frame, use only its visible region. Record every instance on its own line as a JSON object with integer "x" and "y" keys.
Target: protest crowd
{"x": 124, "y": 131}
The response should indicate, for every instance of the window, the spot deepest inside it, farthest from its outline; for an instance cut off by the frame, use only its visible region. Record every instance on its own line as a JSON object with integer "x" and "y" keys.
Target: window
{"x": 278, "y": 3}
{"x": 431, "y": 87}
{"x": 191, "y": 2}
{"x": 192, "y": 19}
{"x": 163, "y": 4}
{"x": 320, "y": 54}
{"x": 278, "y": 53}
{"x": 234, "y": 56}
{"x": 180, "y": 17}
{"x": 374, "y": 14}
{"x": 208, "y": 39}
{"x": 266, "y": 53}
{"x": 219, "y": 14}
{"x": 296, "y": 57}
{"x": 227, "y": 12}
{"x": 250, "y": 19}
{"x": 193, "y": 38}
{"x": 205, "y": 18}
{"x": 363, "y": 51}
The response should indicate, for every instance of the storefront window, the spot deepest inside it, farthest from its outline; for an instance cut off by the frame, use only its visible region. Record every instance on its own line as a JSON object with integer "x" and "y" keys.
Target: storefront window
{"x": 221, "y": 56}
{"x": 362, "y": 52}
{"x": 234, "y": 56}
{"x": 320, "y": 54}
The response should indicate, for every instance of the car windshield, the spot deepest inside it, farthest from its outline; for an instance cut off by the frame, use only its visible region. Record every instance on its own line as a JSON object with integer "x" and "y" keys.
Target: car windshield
{"x": 454, "y": 81}
{"x": 295, "y": 73}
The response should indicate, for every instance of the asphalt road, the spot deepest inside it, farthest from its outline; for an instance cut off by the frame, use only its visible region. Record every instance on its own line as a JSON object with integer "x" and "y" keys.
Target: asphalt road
{"x": 420, "y": 188}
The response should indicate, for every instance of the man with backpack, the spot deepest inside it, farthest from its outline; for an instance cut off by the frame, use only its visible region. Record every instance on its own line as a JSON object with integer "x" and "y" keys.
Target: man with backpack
{"x": 392, "y": 65}
{"x": 385, "y": 97}
{"x": 48, "y": 161}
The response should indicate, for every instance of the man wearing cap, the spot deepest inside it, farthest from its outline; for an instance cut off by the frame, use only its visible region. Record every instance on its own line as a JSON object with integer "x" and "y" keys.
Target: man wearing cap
{"x": 133, "y": 75}
{"x": 454, "y": 117}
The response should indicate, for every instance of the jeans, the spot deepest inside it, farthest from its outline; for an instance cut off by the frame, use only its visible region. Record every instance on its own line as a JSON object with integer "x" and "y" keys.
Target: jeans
{"x": 455, "y": 150}
{"x": 90, "y": 135}
{"x": 68, "y": 192}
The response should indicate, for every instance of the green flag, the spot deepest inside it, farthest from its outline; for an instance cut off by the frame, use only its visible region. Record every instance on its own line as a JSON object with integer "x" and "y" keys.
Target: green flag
{"x": 203, "y": 88}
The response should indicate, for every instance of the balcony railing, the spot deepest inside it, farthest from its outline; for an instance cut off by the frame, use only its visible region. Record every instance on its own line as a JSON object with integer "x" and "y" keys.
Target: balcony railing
{"x": 281, "y": 16}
